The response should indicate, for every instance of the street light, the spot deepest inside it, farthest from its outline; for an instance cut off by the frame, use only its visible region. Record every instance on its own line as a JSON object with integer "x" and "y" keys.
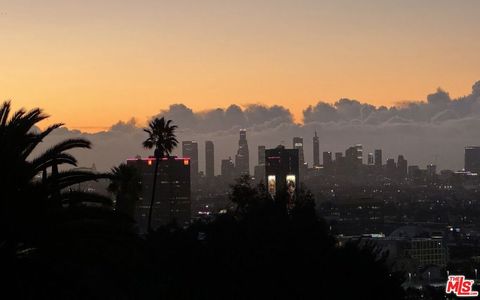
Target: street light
{"x": 476, "y": 273}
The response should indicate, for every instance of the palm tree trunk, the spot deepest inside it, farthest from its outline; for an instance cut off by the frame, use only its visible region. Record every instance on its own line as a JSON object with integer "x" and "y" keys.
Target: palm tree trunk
{"x": 153, "y": 195}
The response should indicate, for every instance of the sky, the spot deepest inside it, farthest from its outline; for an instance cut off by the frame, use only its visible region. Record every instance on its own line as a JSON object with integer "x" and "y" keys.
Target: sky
{"x": 90, "y": 64}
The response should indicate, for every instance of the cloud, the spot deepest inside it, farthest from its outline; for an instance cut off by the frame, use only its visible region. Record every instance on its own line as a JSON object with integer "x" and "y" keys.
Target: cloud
{"x": 432, "y": 131}
{"x": 224, "y": 119}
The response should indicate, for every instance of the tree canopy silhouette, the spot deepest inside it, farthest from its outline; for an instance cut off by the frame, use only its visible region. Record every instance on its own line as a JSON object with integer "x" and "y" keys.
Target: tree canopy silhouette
{"x": 125, "y": 183}
{"x": 162, "y": 138}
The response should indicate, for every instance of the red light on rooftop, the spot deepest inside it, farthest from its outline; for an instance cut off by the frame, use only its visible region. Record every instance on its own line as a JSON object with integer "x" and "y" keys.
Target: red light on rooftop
{"x": 186, "y": 162}
{"x": 149, "y": 162}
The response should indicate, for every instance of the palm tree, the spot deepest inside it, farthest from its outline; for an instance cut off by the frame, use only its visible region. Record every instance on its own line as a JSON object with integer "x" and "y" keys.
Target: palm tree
{"x": 125, "y": 184}
{"x": 23, "y": 190}
{"x": 161, "y": 137}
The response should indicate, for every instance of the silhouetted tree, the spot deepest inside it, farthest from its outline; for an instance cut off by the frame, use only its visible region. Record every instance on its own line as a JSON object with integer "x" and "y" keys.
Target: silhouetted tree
{"x": 125, "y": 183}
{"x": 262, "y": 250}
{"x": 161, "y": 137}
{"x": 27, "y": 188}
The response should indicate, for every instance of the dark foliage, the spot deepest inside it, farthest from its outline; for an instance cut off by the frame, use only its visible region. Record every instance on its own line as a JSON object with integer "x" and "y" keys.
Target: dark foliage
{"x": 161, "y": 138}
{"x": 262, "y": 251}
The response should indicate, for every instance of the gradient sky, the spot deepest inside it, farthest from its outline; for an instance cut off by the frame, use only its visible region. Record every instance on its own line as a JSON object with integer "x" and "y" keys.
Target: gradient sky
{"x": 92, "y": 63}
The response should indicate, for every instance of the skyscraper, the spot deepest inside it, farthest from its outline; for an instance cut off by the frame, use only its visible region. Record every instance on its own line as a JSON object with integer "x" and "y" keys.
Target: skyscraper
{"x": 209, "y": 159}
{"x": 190, "y": 150}
{"x": 402, "y": 166}
{"x": 282, "y": 172}
{"x": 472, "y": 159}
{"x": 354, "y": 155}
{"x": 298, "y": 144}
{"x": 261, "y": 155}
{"x": 172, "y": 200}
{"x": 242, "y": 159}
{"x": 227, "y": 169}
{"x": 391, "y": 168}
{"x": 259, "y": 170}
{"x": 327, "y": 161}
{"x": 338, "y": 156}
{"x": 316, "y": 151}
{"x": 378, "y": 157}
{"x": 370, "y": 159}
{"x": 431, "y": 173}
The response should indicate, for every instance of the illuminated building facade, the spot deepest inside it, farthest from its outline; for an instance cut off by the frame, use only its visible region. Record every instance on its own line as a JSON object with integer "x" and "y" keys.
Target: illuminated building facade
{"x": 282, "y": 171}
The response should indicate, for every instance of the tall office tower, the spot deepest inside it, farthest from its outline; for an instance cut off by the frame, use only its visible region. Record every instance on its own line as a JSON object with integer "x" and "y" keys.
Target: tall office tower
{"x": 316, "y": 151}
{"x": 402, "y": 166}
{"x": 338, "y": 156}
{"x": 390, "y": 168}
{"x": 414, "y": 172}
{"x": 327, "y": 159}
{"x": 190, "y": 150}
{"x": 431, "y": 173}
{"x": 298, "y": 144}
{"x": 172, "y": 199}
{"x": 227, "y": 169}
{"x": 370, "y": 159}
{"x": 282, "y": 172}
{"x": 327, "y": 163}
{"x": 472, "y": 159}
{"x": 354, "y": 155}
{"x": 209, "y": 159}
{"x": 261, "y": 155}
{"x": 378, "y": 157}
{"x": 359, "y": 148}
{"x": 242, "y": 159}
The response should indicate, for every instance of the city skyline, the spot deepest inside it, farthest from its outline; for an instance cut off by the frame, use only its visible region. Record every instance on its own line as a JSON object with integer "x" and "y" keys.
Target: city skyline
{"x": 435, "y": 131}
{"x": 189, "y": 149}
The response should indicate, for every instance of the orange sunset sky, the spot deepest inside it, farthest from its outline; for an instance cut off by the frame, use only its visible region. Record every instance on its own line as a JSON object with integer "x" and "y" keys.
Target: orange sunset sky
{"x": 92, "y": 63}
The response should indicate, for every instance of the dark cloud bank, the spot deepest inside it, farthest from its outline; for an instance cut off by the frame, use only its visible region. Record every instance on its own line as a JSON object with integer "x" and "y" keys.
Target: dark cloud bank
{"x": 432, "y": 131}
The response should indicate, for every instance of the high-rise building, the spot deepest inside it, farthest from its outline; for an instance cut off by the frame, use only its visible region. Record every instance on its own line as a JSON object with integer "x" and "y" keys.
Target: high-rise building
{"x": 327, "y": 161}
{"x": 172, "y": 197}
{"x": 378, "y": 158}
{"x": 316, "y": 151}
{"x": 359, "y": 148}
{"x": 370, "y": 161}
{"x": 354, "y": 156}
{"x": 282, "y": 171}
{"x": 298, "y": 144}
{"x": 391, "y": 168}
{"x": 190, "y": 150}
{"x": 227, "y": 169}
{"x": 242, "y": 159}
{"x": 472, "y": 159}
{"x": 338, "y": 156}
{"x": 402, "y": 166}
{"x": 414, "y": 172}
{"x": 261, "y": 155}
{"x": 209, "y": 159}
{"x": 431, "y": 173}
